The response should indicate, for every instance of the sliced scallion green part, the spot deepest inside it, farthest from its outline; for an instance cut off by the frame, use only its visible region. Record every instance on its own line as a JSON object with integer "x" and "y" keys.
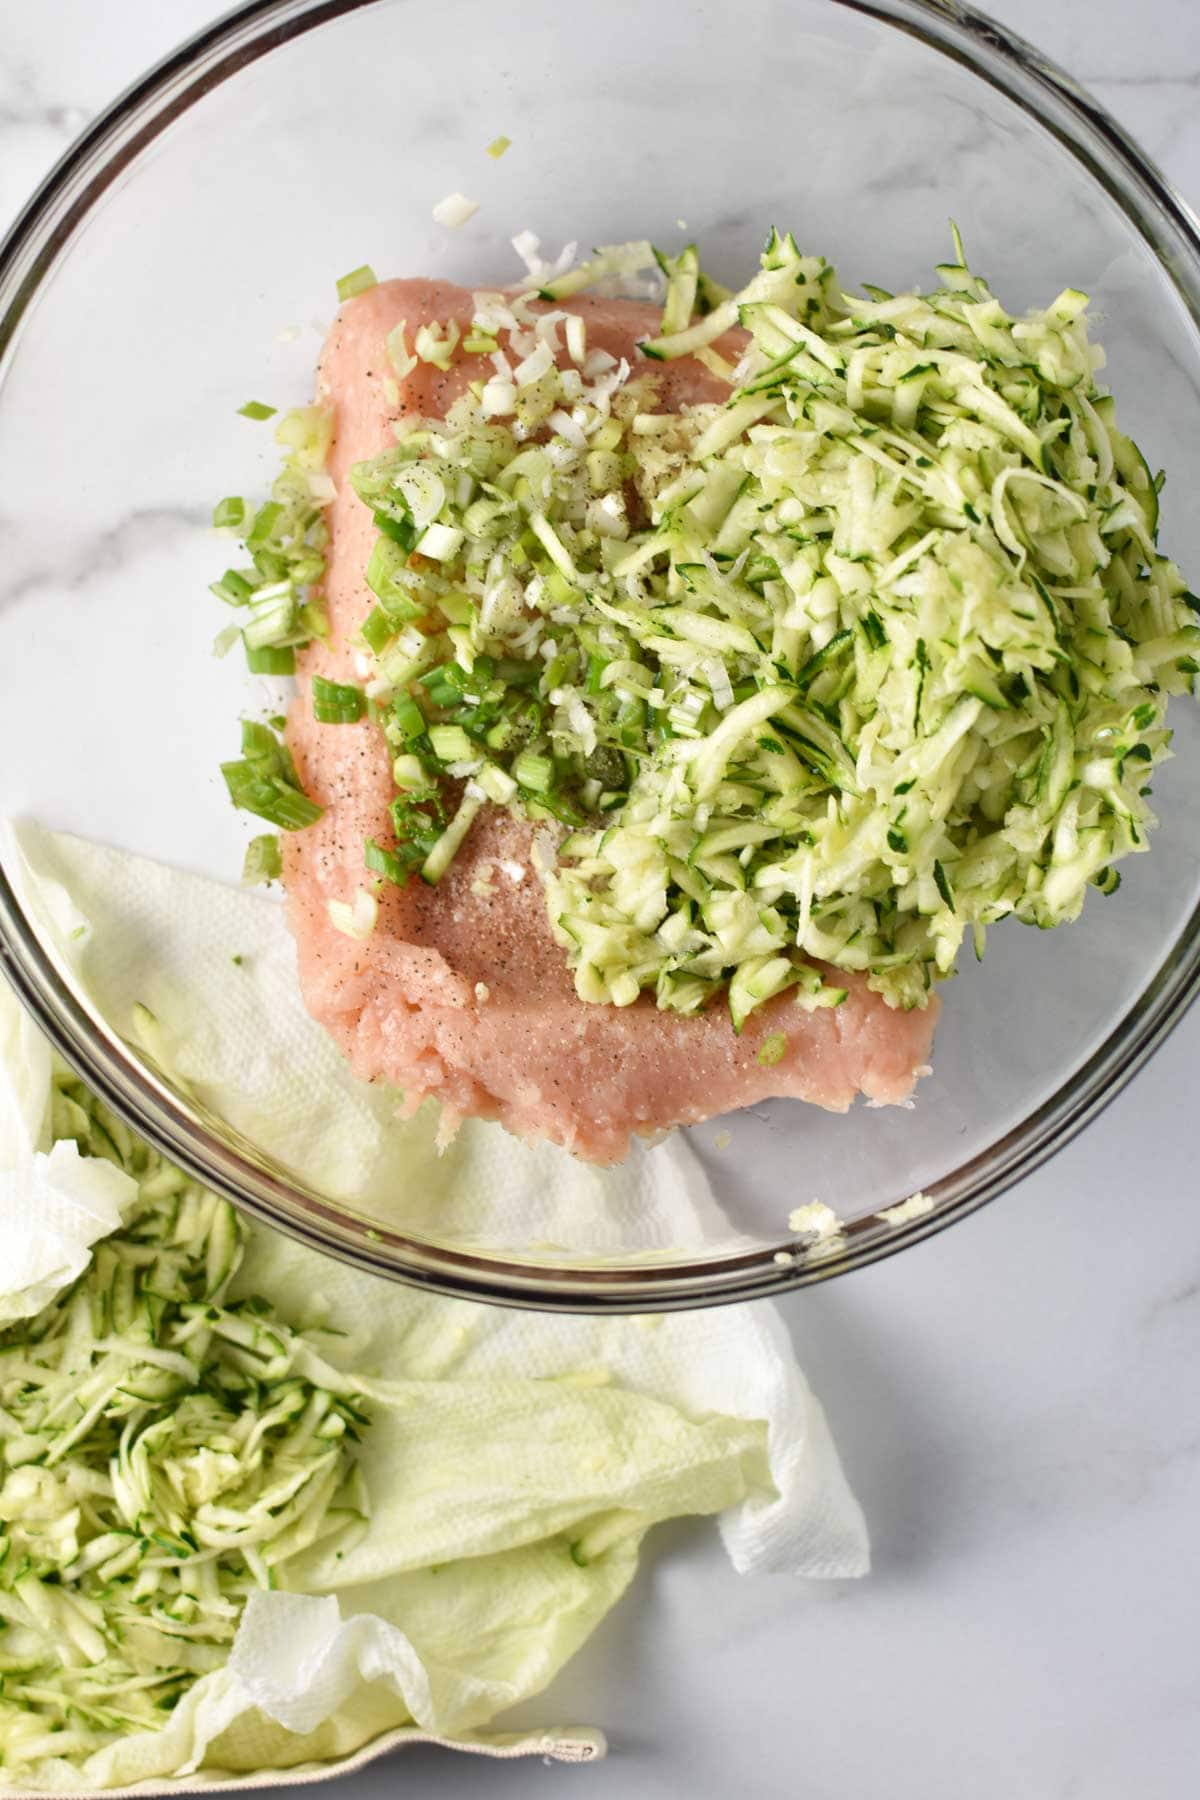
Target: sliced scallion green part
{"x": 382, "y": 861}
{"x": 270, "y": 615}
{"x": 257, "y": 409}
{"x": 233, "y": 588}
{"x": 356, "y": 282}
{"x": 534, "y": 772}
{"x": 451, "y": 743}
{"x": 271, "y": 659}
{"x": 410, "y": 774}
{"x": 263, "y": 861}
{"x": 336, "y": 702}
{"x": 269, "y": 515}
{"x": 264, "y": 781}
{"x": 269, "y": 797}
{"x": 409, "y": 717}
{"x": 377, "y": 629}
{"x": 390, "y": 580}
{"x": 229, "y": 514}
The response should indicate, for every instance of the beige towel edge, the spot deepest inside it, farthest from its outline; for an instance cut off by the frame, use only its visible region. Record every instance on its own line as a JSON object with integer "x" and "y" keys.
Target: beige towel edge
{"x": 566, "y": 1744}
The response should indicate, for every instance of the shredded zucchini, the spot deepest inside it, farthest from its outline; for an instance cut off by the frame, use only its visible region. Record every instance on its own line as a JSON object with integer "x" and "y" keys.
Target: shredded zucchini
{"x": 163, "y": 1455}
{"x": 865, "y": 657}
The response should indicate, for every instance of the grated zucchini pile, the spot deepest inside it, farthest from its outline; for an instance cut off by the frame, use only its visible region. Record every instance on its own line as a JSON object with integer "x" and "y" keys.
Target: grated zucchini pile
{"x": 162, "y": 1457}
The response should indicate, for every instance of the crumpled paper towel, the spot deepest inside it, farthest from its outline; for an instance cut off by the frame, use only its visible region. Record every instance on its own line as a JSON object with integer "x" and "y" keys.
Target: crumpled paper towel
{"x": 54, "y": 1203}
{"x": 137, "y": 931}
{"x": 515, "y": 1460}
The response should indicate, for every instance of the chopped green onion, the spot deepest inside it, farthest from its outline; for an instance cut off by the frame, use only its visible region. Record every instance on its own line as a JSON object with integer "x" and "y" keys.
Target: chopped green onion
{"x": 498, "y": 146}
{"x": 270, "y": 615}
{"x": 534, "y": 772}
{"x": 409, "y": 773}
{"x": 384, "y": 862}
{"x": 233, "y": 588}
{"x": 441, "y": 542}
{"x": 773, "y": 1049}
{"x": 454, "y": 210}
{"x": 497, "y": 784}
{"x": 389, "y": 579}
{"x": 451, "y": 743}
{"x": 356, "y": 918}
{"x": 269, "y": 798}
{"x": 307, "y": 432}
{"x": 261, "y": 745}
{"x": 314, "y": 620}
{"x": 257, "y": 409}
{"x": 265, "y": 520}
{"x": 408, "y": 716}
{"x": 225, "y": 640}
{"x": 356, "y": 282}
{"x": 337, "y": 703}
{"x": 377, "y": 629}
{"x": 401, "y": 531}
{"x": 229, "y": 514}
{"x": 264, "y": 781}
{"x": 263, "y": 860}
{"x": 271, "y": 659}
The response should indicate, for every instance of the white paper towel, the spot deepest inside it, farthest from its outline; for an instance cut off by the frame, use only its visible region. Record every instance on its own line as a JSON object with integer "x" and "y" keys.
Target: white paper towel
{"x": 495, "y": 1432}
{"x": 238, "y": 1034}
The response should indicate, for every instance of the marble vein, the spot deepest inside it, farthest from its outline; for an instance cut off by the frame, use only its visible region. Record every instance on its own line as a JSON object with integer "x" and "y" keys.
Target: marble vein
{"x": 140, "y": 533}
{"x": 22, "y": 103}
{"x": 1191, "y": 79}
{"x": 34, "y": 131}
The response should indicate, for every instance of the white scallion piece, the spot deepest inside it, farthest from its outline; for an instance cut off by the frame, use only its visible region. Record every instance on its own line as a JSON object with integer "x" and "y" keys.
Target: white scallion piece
{"x": 455, "y": 210}
{"x": 356, "y": 918}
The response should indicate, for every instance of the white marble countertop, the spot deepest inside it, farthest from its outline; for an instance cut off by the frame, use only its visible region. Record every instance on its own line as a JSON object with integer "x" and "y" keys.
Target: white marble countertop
{"x": 1022, "y": 1425}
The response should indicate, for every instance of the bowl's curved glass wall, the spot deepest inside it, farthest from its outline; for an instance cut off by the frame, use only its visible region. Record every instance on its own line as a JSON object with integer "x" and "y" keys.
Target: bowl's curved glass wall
{"x": 185, "y": 260}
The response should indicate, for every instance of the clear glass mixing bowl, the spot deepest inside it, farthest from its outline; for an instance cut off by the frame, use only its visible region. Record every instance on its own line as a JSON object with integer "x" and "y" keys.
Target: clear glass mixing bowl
{"x": 142, "y": 296}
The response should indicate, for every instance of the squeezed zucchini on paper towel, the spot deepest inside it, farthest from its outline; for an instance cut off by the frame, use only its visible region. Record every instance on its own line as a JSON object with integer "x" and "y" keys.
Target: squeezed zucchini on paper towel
{"x": 163, "y": 1456}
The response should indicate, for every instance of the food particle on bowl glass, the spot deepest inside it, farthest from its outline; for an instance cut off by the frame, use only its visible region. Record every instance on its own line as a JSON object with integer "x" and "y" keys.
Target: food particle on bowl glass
{"x": 454, "y": 210}
{"x": 814, "y": 1219}
{"x": 790, "y": 635}
{"x": 915, "y": 1207}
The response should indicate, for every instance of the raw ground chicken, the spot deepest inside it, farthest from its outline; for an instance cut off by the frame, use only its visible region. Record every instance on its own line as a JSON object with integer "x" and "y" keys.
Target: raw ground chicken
{"x": 461, "y": 991}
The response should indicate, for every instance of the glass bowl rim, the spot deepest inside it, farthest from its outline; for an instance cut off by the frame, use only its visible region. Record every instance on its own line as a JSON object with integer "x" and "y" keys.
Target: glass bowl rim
{"x": 211, "y": 1154}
